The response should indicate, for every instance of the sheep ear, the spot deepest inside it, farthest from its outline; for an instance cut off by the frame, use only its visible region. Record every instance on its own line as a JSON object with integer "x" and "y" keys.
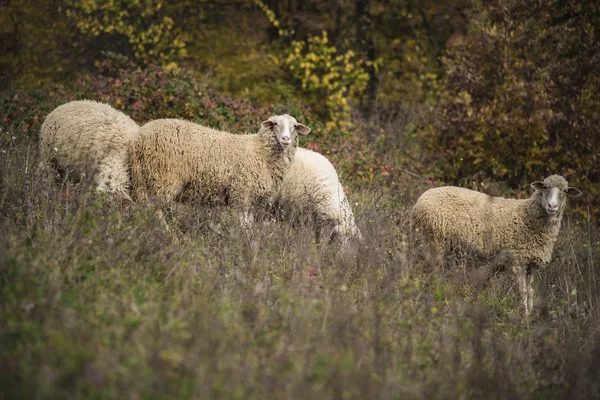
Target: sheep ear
{"x": 267, "y": 124}
{"x": 302, "y": 129}
{"x": 538, "y": 185}
{"x": 573, "y": 192}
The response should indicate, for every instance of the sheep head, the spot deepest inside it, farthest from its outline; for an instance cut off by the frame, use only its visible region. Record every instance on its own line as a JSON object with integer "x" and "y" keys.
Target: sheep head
{"x": 554, "y": 190}
{"x": 285, "y": 127}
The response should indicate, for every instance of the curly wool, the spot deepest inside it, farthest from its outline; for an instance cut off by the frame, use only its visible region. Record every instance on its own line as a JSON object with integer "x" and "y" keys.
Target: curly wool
{"x": 88, "y": 138}
{"x": 520, "y": 233}
{"x": 175, "y": 158}
{"x": 456, "y": 218}
{"x": 313, "y": 185}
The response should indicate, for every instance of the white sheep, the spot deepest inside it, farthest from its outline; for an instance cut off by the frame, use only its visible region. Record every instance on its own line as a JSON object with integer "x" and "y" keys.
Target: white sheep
{"x": 312, "y": 188}
{"x": 519, "y": 233}
{"x": 83, "y": 138}
{"x": 179, "y": 160}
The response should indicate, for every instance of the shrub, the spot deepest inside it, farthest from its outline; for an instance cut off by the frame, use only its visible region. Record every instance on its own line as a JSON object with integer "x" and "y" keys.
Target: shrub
{"x": 144, "y": 94}
{"x": 330, "y": 79}
{"x": 520, "y": 98}
{"x": 148, "y": 27}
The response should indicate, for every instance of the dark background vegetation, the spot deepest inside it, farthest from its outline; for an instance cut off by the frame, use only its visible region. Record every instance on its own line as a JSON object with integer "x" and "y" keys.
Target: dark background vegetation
{"x": 98, "y": 301}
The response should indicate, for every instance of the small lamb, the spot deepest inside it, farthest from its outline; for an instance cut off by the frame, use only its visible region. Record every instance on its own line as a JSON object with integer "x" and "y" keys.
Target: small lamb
{"x": 520, "y": 233}
{"x": 179, "y": 160}
{"x": 87, "y": 137}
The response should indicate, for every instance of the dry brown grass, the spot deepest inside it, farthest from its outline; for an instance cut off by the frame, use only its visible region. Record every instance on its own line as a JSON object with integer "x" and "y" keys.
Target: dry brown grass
{"x": 98, "y": 301}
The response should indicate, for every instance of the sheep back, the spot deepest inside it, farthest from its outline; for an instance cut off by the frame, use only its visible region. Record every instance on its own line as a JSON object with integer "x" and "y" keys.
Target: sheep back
{"x": 87, "y": 137}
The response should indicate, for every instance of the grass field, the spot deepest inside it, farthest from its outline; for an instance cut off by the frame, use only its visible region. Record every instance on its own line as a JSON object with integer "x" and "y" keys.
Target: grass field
{"x": 99, "y": 301}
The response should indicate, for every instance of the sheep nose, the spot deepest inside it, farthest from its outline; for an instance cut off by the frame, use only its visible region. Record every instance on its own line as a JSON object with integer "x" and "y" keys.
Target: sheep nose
{"x": 285, "y": 138}
{"x": 553, "y": 206}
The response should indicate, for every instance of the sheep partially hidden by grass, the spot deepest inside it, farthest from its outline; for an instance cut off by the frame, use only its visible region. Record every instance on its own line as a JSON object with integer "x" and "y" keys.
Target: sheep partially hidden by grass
{"x": 312, "y": 188}
{"x": 519, "y": 233}
{"x": 88, "y": 138}
{"x": 179, "y": 160}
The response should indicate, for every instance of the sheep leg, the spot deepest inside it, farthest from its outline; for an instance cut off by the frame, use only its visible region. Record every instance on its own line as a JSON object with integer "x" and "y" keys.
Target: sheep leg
{"x": 525, "y": 278}
{"x": 524, "y": 273}
{"x": 165, "y": 194}
{"x": 531, "y": 267}
{"x": 326, "y": 232}
{"x": 489, "y": 267}
{"x": 423, "y": 248}
{"x": 438, "y": 254}
{"x": 45, "y": 169}
{"x": 247, "y": 222}
{"x": 498, "y": 262}
{"x": 163, "y": 221}
{"x": 523, "y": 289}
{"x": 529, "y": 278}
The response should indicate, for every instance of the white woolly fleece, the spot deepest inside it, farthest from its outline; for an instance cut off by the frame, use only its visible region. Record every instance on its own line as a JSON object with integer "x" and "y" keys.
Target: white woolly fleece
{"x": 87, "y": 137}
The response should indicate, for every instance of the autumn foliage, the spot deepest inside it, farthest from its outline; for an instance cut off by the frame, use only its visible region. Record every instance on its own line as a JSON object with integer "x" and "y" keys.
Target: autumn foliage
{"x": 504, "y": 89}
{"x": 521, "y": 97}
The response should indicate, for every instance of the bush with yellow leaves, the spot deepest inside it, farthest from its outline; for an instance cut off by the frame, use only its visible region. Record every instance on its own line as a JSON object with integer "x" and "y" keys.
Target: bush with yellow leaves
{"x": 147, "y": 26}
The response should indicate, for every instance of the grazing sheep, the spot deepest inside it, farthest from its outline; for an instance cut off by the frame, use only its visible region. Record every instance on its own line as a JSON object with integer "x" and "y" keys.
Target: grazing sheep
{"x": 175, "y": 159}
{"x": 313, "y": 185}
{"x": 90, "y": 138}
{"x": 519, "y": 233}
